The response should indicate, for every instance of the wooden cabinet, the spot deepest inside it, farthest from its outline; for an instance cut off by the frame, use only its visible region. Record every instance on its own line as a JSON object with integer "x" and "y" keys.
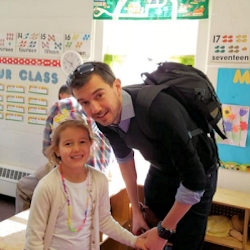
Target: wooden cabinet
{"x": 229, "y": 202}
{"x": 225, "y": 202}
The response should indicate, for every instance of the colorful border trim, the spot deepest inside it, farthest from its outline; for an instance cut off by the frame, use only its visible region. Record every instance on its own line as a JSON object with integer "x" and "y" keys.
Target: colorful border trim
{"x": 236, "y": 166}
{"x": 30, "y": 61}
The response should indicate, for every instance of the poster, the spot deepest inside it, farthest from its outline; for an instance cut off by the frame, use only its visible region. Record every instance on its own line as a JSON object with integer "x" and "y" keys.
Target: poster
{"x": 51, "y": 43}
{"x": 229, "y": 48}
{"x": 7, "y": 42}
{"x": 79, "y": 42}
{"x": 34, "y": 45}
{"x": 26, "y": 92}
{"x": 233, "y": 89}
{"x": 150, "y": 9}
{"x": 235, "y": 120}
{"x": 27, "y": 43}
{"x": 192, "y": 9}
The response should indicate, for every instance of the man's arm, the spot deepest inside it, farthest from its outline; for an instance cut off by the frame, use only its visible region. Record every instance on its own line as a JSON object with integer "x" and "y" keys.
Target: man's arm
{"x": 185, "y": 160}
{"x": 129, "y": 175}
{"x": 178, "y": 210}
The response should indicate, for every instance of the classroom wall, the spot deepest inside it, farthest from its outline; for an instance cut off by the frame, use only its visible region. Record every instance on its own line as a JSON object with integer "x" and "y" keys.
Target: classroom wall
{"x": 20, "y": 145}
{"x": 21, "y": 142}
{"x": 228, "y": 17}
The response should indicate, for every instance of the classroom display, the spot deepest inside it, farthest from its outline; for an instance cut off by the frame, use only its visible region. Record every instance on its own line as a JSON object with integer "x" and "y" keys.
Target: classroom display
{"x": 229, "y": 48}
{"x": 41, "y": 44}
{"x": 30, "y": 77}
{"x": 141, "y": 9}
{"x": 233, "y": 90}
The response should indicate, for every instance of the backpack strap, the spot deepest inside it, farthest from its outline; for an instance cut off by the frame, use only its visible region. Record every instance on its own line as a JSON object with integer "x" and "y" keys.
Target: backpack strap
{"x": 144, "y": 99}
{"x": 219, "y": 132}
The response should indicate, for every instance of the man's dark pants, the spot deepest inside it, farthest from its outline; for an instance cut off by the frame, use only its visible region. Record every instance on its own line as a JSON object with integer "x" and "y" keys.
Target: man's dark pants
{"x": 159, "y": 193}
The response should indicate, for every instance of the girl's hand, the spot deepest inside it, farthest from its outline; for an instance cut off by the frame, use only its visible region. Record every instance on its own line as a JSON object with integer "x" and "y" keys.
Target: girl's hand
{"x": 140, "y": 243}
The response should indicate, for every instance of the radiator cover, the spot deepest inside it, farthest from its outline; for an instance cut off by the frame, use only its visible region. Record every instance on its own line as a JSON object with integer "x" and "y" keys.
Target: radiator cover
{"x": 9, "y": 176}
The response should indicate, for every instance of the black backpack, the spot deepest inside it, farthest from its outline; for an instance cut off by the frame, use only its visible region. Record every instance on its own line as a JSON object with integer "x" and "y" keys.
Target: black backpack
{"x": 189, "y": 86}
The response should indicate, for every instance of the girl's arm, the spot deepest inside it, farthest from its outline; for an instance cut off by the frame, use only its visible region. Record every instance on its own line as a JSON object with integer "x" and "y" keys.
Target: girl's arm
{"x": 38, "y": 217}
{"x": 107, "y": 223}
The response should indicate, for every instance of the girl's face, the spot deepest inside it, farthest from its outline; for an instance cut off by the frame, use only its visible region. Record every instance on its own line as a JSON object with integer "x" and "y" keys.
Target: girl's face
{"x": 74, "y": 147}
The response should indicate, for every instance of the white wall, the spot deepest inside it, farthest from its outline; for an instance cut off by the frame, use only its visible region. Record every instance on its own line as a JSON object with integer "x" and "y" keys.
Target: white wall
{"x": 21, "y": 144}
{"x": 229, "y": 16}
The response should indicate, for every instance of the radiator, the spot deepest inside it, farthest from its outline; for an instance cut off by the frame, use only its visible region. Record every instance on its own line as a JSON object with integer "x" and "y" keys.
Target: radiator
{"x": 9, "y": 176}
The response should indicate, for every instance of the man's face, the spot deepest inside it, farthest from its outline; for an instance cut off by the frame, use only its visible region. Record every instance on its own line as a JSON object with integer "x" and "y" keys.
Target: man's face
{"x": 100, "y": 101}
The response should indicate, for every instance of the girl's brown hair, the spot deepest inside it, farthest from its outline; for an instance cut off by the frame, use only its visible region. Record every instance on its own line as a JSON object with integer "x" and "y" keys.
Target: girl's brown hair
{"x": 51, "y": 150}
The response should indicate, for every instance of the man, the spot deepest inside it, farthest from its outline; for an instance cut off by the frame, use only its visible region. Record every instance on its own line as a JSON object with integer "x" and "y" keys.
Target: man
{"x": 64, "y": 92}
{"x": 177, "y": 188}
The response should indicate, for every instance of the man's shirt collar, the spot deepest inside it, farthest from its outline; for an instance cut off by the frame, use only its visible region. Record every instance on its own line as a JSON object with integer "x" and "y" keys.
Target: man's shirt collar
{"x": 127, "y": 111}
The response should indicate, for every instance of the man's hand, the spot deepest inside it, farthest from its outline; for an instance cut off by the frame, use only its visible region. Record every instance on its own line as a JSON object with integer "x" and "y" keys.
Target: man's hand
{"x": 139, "y": 225}
{"x": 153, "y": 241}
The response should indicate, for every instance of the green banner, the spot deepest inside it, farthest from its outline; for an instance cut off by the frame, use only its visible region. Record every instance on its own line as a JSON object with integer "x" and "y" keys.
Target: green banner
{"x": 150, "y": 9}
{"x": 196, "y": 9}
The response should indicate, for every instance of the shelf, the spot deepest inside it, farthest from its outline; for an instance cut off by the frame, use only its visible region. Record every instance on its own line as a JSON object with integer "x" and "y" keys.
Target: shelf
{"x": 232, "y": 198}
{"x": 224, "y": 241}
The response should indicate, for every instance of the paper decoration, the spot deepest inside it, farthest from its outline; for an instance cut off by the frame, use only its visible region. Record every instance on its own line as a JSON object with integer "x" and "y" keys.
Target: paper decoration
{"x": 37, "y": 110}
{"x": 27, "y": 42}
{"x": 229, "y": 48}
{"x": 235, "y": 166}
{"x": 1, "y": 87}
{"x": 14, "y": 117}
{"x": 150, "y": 9}
{"x": 30, "y": 61}
{"x": 235, "y": 119}
{"x": 36, "y": 120}
{"x": 33, "y": 44}
{"x": 16, "y": 108}
{"x": 51, "y": 44}
{"x": 131, "y": 9}
{"x": 7, "y": 42}
{"x": 38, "y": 101}
{"x": 79, "y": 42}
{"x": 192, "y": 9}
{"x": 233, "y": 88}
{"x": 15, "y": 98}
{"x": 38, "y": 90}
{"x": 15, "y": 89}
{"x": 25, "y": 90}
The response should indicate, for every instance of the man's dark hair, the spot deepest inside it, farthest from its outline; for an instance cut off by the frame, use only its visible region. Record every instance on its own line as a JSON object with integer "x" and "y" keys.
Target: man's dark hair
{"x": 82, "y": 74}
{"x": 64, "y": 89}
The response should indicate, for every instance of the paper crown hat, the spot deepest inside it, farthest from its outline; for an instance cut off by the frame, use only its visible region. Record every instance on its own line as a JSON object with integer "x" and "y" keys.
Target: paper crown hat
{"x": 70, "y": 109}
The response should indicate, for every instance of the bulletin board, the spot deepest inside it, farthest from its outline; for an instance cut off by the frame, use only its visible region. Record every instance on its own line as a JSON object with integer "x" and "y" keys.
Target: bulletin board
{"x": 30, "y": 70}
{"x": 233, "y": 89}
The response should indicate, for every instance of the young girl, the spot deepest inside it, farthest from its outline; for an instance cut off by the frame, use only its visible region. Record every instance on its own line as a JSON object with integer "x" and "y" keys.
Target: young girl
{"x": 71, "y": 204}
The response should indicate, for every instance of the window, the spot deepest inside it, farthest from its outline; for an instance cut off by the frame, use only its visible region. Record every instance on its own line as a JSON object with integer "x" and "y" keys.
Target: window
{"x": 136, "y": 46}
{"x": 133, "y": 47}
